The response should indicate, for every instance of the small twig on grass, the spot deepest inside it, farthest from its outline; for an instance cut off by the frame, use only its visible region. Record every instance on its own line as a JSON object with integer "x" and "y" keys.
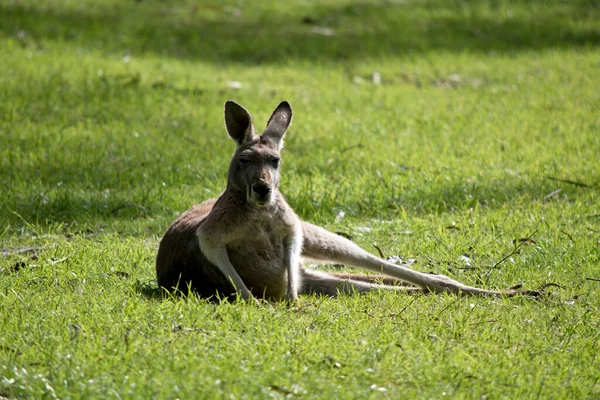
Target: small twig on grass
{"x": 567, "y": 234}
{"x": 447, "y": 307}
{"x": 549, "y": 284}
{"x": 351, "y": 147}
{"x": 589, "y": 278}
{"x": 519, "y": 244}
{"x": 20, "y": 250}
{"x": 570, "y": 182}
{"x": 379, "y": 251}
{"x": 512, "y": 253}
{"x": 410, "y": 302}
{"x": 440, "y": 242}
{"x": 536, "y": 294}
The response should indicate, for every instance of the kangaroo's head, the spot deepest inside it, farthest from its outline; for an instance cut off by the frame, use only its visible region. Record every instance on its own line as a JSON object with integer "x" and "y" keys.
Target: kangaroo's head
{"x": 254, "y": 168}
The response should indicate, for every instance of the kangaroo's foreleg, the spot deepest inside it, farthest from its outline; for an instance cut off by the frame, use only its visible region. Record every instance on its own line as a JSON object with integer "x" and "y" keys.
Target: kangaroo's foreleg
{"x": 292, "y": 248}
{"x": 322, "y": 245}
{"x": 217, "y": 255}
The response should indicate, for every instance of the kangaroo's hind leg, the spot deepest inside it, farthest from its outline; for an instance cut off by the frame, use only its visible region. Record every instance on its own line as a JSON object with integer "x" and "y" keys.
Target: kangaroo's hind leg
{"x": 322, "y": 245}
{"x": 331, "y": 284}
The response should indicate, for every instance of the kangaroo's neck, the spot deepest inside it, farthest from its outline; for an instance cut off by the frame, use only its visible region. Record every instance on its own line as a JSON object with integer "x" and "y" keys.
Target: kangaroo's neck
{"x": 236, "y": 194}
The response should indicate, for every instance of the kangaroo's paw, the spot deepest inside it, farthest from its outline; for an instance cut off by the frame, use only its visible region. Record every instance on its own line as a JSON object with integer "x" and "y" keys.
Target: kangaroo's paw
{"x": 291, "y": 297}
{"x": 443, "y": 283}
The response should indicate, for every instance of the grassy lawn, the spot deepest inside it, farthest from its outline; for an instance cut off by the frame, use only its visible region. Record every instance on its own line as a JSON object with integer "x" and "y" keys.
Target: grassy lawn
{"x": 463, "y": 134}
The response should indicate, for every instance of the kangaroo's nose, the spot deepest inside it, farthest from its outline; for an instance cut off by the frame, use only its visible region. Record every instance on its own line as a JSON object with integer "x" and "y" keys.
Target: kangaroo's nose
{"x": 261, "y": 189}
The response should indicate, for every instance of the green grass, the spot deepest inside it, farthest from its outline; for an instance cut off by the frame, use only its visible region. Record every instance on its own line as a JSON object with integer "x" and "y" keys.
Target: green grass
{"x": 111, "y": 125}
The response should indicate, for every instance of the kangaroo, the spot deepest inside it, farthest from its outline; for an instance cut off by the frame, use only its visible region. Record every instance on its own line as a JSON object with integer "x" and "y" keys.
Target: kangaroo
{"x": 249, "y": 242}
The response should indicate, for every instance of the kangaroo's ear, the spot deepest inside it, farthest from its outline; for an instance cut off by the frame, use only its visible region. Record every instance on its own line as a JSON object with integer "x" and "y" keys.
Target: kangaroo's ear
{"x": 278, "y": 123}
{"x": 238, "y": 122}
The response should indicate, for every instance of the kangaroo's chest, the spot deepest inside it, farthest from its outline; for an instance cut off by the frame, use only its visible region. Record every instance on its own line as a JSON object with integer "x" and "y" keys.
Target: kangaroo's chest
{"x": 259, "y": 243}
{"x": 258, "y": 255}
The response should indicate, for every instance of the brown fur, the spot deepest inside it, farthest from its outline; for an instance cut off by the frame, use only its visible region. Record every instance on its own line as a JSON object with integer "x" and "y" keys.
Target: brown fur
{"x": 249, "y": 242}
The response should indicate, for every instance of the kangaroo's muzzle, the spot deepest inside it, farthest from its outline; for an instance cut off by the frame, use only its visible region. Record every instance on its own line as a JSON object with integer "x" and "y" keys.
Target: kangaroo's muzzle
{"x": 261, "y": 193}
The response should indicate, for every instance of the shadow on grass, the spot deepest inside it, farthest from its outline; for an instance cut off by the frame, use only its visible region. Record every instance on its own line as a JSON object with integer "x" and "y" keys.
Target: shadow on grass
{"x": 355, "y": 30}
{"x": 154, "y": 216}
{"x": 150, "y": 290}
{"x": 440, "y": 199}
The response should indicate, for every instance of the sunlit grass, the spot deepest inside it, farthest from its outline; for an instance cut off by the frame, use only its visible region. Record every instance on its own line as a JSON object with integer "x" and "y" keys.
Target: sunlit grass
{"x": 480, "y": 139}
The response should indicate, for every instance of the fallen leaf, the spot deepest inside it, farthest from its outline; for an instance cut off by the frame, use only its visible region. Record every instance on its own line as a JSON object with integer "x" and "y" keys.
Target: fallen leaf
{"x": 332, "y": 362}
{"x": 516, "y": 286}
{"x": 394, "y": 259}
{"x": 452, "y": 226}
{"x": 552, "y": 194}
{"x": 60, "y": 260}
{"x": 323, "y": 31}
{"x": 235, "y": 85}
{"x": 525, "y": 241}
{"x": 376, "y": 78}
{"x": 466, "y": 260}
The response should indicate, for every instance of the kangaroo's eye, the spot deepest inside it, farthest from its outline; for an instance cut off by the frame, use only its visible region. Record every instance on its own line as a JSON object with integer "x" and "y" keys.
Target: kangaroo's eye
{"x": 275, "y": 162}
{"x": 244, "y": 161}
